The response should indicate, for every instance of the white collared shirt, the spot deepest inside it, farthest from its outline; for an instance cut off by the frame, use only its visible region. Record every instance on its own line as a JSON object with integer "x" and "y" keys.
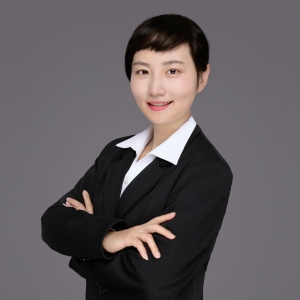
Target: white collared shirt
{"x": 169, "y": 150}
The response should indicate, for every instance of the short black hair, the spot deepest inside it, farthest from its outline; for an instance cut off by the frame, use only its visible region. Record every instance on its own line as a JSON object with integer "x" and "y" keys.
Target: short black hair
{"x": 165, "y": 32}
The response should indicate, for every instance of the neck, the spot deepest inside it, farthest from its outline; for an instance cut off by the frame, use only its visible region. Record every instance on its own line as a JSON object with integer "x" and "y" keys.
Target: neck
{"x": 162, "y": 132}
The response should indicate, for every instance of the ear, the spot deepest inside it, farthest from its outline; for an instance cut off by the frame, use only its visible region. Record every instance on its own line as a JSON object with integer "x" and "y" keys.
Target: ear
{"x": 203, "y": 78}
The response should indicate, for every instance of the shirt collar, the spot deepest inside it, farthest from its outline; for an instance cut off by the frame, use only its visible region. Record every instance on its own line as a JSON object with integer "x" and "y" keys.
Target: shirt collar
{"x": 170, "y": 149}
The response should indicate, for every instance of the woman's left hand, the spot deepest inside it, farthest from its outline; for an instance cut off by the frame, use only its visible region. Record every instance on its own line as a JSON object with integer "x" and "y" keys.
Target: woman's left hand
{"x": 78, "y": 205}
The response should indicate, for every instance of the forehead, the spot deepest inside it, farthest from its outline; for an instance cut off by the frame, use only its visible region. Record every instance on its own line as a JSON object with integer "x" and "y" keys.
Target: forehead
{"x": 180, "y": 53}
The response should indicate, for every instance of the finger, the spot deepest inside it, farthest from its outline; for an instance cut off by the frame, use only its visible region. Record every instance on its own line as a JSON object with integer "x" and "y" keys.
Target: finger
{"x": 75, "y": 203}
{"x": 140, "y": 247}
{"x": 152, "y": 245}
{"x": 67, "y": 204}
{"x": 129, "y": 240}
{"x": 162, "y": 218}
{"x": 88, "y": 203}
{"x": 159, "y": 229}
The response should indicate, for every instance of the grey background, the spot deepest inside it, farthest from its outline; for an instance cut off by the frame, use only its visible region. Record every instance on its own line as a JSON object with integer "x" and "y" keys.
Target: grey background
{"x": 64, "y": 96}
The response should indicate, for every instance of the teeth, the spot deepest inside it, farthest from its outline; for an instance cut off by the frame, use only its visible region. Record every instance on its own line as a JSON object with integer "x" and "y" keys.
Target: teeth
{"x": 160, "y": 104}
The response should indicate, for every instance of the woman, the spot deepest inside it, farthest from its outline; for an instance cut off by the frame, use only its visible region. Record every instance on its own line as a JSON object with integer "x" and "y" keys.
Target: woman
{"x": 148, "y": 212}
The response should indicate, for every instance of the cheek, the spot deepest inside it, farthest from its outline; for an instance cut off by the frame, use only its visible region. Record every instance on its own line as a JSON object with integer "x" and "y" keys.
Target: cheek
{"x": 137, "y": 89}
{"x": 184, "y": 88}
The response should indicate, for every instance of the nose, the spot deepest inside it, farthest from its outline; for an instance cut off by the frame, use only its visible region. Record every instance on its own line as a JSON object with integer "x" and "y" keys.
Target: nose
{"x": 156, "y": 86}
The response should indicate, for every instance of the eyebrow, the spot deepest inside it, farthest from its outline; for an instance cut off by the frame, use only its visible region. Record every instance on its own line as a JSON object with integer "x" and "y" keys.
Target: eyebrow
{"x": 170, "y": 62}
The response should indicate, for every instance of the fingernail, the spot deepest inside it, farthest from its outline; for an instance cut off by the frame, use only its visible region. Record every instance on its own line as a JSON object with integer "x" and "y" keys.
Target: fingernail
{"x": 146, "y": 257}
{"x": 157, "y": 255}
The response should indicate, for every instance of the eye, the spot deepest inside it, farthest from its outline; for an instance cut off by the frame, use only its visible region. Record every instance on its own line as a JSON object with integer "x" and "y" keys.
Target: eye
{"x": 143, "y": 72}
{"x": 173, "y": 71}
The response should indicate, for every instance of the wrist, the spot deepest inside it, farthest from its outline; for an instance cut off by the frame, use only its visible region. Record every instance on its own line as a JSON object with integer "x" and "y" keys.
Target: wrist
{"x": 106, "y": 240}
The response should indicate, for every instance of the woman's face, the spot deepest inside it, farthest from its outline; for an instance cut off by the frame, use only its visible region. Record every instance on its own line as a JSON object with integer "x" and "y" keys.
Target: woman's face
{"x": 166, "y": 77}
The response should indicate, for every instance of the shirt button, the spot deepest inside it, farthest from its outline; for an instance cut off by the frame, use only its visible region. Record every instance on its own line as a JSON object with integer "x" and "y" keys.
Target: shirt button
{"x": 125, "y": 180}
{"x": 102, "y": 291}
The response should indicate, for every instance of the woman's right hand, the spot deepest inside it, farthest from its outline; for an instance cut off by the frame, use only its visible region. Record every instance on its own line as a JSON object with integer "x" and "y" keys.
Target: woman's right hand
{"x": 117, "y": 240}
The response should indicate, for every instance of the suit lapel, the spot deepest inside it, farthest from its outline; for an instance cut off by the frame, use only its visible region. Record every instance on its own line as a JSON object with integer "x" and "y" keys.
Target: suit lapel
{"x": 114, "y": 178}
{"x": 140, "y": 186}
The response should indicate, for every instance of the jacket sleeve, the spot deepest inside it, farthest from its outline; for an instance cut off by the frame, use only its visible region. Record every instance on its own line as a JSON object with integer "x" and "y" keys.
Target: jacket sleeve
{"x": 199, "y": 198}
{"x": 76, "y": 232}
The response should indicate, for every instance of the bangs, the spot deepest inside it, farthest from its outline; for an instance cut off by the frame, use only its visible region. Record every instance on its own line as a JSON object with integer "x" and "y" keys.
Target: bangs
{"x": 161, "y": 37}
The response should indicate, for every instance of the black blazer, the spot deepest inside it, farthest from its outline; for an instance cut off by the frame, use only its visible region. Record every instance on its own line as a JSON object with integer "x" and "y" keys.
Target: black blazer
{"x": 197, "y": 189}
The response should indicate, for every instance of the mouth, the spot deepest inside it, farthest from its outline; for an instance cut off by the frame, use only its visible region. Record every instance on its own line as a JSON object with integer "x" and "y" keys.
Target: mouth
{"x": 160, "y": 104}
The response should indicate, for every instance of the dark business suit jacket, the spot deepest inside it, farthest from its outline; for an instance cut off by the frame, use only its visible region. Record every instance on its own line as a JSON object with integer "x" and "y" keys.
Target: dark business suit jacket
{"x": 197, "y": 189}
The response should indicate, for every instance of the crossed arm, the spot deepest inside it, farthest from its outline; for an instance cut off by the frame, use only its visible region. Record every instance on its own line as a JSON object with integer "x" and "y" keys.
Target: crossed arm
{"x": 199, "y": 199}
{"x": 115, "y": 241}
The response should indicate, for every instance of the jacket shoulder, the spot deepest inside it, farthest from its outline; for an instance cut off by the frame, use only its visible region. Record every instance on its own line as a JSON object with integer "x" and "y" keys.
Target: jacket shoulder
{"x": 202, "y": 150}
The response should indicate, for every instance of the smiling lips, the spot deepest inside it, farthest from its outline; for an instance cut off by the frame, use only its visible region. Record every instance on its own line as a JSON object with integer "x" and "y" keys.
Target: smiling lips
{"x": 158, "y": 105}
